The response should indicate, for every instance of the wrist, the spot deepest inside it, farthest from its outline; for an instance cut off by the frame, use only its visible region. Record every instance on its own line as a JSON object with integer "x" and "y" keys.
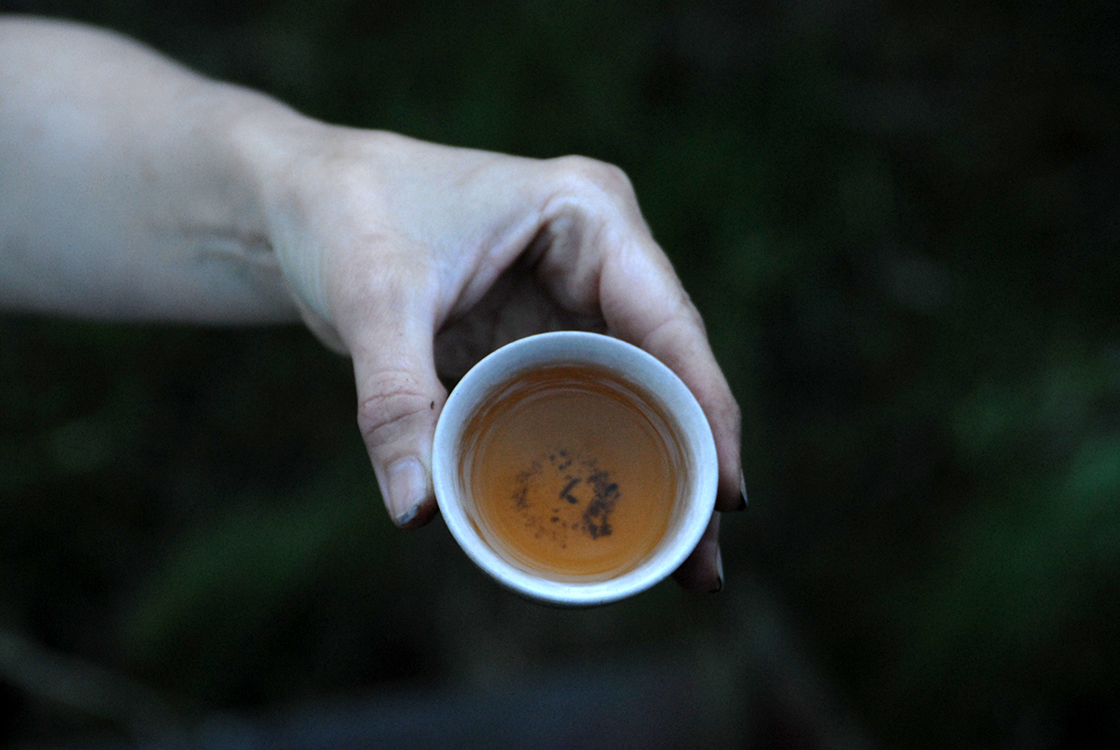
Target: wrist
{"x": 310, "y": 181}
{"x": 219, "y": 209}
{"x": 269, "y": 144}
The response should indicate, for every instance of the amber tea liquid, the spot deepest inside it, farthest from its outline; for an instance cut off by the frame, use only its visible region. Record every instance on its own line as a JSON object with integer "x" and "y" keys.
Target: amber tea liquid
{"x": 572, "y": 472}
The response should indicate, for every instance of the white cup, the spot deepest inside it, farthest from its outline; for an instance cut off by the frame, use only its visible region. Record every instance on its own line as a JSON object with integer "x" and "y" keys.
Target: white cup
{"x": 642, "y": 374}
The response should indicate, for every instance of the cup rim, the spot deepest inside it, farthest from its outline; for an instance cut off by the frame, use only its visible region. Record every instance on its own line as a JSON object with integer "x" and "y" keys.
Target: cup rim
{"x": 631, "y": 364}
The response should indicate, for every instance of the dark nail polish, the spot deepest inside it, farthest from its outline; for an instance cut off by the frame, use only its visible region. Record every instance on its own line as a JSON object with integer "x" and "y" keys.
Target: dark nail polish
{"x": 404, "y": 519}
{"x": 719, "y": 572}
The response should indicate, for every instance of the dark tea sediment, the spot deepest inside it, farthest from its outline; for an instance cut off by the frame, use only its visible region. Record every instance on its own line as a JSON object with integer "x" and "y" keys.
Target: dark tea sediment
{"x": 572, "y": 472}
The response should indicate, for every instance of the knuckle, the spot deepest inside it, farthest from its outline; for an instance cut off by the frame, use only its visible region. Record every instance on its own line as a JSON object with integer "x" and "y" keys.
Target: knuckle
{"x": 679, "y": 322}
{"x": 387, "y": 411}
{"x": 581, "y": 174}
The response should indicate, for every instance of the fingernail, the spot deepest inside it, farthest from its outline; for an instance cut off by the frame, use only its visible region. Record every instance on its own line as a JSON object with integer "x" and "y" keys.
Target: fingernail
{"x": 719, "y": 571}
{"x": 408, "y": 486}
{"x": 742, "y": 492}
{"x": 404, "y": 519}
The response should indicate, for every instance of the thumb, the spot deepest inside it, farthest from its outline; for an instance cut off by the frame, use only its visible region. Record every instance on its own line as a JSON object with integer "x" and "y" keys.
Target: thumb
{"x": 399, "y": 401}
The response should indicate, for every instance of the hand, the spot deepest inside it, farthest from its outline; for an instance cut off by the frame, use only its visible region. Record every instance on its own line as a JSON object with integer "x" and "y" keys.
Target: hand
{"x": 160, "y": 194}
{"x": 415, "y": 259}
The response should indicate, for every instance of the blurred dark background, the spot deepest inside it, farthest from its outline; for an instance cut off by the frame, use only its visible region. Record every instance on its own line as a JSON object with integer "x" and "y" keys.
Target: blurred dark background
{"x": 900, "y": 221}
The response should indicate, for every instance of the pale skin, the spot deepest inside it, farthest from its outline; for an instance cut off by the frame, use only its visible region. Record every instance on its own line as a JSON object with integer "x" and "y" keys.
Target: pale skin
{"x": 134, "y": 189}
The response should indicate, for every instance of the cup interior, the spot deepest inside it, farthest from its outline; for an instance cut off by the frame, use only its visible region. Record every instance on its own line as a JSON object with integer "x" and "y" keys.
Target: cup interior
{"x": 643, "y": 377}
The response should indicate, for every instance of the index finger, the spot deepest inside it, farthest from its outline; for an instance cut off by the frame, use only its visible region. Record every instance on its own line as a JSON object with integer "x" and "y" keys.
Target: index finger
{"x": 644, "y": 303}
{"x": 601, "y": 256}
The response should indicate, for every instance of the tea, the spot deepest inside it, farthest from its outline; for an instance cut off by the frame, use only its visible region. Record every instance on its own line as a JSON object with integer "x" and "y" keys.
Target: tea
{"x": 572, "y": 473}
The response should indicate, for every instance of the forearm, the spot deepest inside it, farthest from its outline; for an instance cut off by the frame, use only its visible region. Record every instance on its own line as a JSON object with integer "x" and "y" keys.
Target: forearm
{"x": 124, "y": 190}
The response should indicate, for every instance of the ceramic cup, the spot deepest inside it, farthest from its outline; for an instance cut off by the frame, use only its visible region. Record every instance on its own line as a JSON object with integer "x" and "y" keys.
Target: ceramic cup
{"x": 578, "y": 492}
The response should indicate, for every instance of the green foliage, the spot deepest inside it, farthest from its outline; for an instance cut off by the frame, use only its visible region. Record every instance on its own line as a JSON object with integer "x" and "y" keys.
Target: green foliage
{"x": 222, "y": 586}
